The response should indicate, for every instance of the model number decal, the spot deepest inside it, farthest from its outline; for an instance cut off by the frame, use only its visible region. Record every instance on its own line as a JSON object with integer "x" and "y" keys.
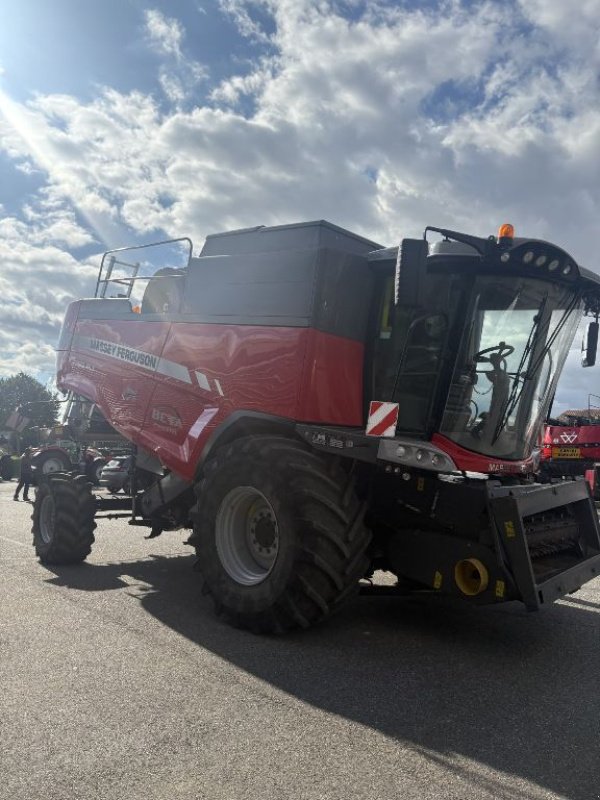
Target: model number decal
{"x": 499, "y": 467}
{"x": 167, "y": 417}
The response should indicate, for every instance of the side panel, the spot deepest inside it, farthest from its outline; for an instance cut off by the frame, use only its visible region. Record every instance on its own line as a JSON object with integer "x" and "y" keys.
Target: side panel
{"x": 231, "y": 367}
{"x": 169, "y": 385}
{"x": 332, "y": 385}
{"x": 295, "y": 373}
{"x": 113, "y": 363}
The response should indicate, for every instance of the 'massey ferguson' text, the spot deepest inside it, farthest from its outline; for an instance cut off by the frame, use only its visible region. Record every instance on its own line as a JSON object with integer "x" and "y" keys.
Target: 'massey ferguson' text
{"x": 124, "y": 353}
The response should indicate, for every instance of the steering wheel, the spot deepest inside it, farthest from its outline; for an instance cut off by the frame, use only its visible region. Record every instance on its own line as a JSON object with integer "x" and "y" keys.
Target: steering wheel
{"x": 474, "y": 414}
{"x": 501, "y": 350}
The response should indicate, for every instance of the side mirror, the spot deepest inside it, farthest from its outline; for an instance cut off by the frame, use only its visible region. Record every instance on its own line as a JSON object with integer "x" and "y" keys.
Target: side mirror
{"x": 410, "y": 271}
{"x": 589, "y": 345}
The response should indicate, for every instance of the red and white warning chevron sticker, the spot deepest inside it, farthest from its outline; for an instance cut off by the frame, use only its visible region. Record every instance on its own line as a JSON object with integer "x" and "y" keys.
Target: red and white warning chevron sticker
{"x": 383, "y": 418}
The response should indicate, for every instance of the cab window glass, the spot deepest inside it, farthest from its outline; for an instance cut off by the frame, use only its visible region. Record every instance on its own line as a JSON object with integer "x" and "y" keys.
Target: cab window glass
{"x": 419, "y": 371}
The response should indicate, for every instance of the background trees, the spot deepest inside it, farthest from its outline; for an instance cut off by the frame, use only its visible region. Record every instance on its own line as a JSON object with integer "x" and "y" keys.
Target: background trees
{"x": 26, "y": 394}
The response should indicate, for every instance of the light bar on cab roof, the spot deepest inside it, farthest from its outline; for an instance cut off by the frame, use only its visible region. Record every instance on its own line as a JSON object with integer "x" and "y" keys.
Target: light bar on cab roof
{"x": 541, "y": 256}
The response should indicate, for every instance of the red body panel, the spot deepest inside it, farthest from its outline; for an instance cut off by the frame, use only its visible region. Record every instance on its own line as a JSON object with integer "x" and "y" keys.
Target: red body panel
{"x": 167, "y": 386}
{"x": 476, "y": 462}
{"x": 573, "y": 442}
{"x": 590, "y": 476}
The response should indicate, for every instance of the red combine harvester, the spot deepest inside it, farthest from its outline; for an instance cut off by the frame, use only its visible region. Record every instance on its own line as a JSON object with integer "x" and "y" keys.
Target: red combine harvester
{"x": 571, "y": 447}
{"x": 315, "y": 407}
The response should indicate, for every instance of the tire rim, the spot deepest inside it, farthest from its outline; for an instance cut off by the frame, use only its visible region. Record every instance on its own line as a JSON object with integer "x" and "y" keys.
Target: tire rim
{"x": 247, "y": 535}
{"x": 47, "y": 517}
{"x": 52, "y": 465}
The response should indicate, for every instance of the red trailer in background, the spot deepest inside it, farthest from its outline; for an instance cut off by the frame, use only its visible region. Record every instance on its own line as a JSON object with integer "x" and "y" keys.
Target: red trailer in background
{"x": 571, "y": 446}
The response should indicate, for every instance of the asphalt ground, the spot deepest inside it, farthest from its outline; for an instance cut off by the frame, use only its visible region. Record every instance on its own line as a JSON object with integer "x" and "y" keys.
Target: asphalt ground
{"x": 117, "y": 681}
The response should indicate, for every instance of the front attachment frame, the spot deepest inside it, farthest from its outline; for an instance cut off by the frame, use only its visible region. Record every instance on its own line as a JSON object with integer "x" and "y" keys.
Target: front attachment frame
{"x": 563, "y": 513}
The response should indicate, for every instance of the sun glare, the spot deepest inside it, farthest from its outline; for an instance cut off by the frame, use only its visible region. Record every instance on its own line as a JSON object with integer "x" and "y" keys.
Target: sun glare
{"x": 35, "y": 136}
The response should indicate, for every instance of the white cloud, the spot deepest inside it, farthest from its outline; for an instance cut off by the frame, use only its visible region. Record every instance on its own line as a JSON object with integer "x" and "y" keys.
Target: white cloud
{"x": 37, "y": 280}
{"x": 239, "y": 11}
{"x": 179, "y": 75}
{"x": 164, "y": 33}
{"x": 572, "y": 25}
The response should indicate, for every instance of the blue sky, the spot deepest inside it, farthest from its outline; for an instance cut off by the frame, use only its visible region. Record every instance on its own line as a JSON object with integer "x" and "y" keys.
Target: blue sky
{"x": 127, "y": 121}
{"x": 75, "y": 46}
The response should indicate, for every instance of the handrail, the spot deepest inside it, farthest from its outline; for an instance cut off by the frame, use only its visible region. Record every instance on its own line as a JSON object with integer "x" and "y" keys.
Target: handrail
{"x": 138, "y": 247}
{"x": 141, "y": 278}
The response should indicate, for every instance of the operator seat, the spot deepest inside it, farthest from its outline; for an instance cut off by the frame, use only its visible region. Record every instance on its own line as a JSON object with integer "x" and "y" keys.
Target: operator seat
{"x": 164, "y": 292}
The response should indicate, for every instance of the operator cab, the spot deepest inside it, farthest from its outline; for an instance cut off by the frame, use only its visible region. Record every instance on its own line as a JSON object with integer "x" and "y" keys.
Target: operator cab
{"x": 471, "y": 335}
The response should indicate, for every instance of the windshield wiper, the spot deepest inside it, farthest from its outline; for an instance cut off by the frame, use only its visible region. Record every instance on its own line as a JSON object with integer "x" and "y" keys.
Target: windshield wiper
{"x": 516, "y": 390}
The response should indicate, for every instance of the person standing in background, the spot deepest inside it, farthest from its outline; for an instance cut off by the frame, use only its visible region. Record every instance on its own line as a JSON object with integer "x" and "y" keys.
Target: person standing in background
{"x": 25, "y": 476}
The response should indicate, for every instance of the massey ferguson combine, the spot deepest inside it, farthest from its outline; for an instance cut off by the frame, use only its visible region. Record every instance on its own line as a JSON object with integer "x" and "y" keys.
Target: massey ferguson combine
{"x": 315, "y": 407}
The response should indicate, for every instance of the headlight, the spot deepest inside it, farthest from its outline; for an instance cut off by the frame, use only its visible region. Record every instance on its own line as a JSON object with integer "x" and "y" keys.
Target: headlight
{"x": 427, "y": 456}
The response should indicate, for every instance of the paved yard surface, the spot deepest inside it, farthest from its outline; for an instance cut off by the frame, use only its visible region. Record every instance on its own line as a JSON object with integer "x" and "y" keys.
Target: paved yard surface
{"x": 117, "y": 681}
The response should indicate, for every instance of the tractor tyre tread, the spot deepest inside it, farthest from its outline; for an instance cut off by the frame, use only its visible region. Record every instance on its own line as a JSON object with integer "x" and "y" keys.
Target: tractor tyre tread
{"x": 330, "y": 539}
{"x": 74, "y": 524}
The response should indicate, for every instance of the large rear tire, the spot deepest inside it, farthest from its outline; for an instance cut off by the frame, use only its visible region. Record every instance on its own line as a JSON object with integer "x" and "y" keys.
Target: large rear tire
{"x": 279, "y": 534}
{"x": 63, "y": 519}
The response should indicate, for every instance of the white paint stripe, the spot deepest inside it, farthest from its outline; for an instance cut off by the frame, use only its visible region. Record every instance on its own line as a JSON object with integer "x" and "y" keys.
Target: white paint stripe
{"x": 173, "y": 370}
{"x": 132, "y": 356}
{"x": 135, "y": 583}
{"x": 377, "y": 416}
{"x": 201, "y": 423}
{"x": 219, "y": 389}
{"x": 14, "y": 541}
{"x": 381, "y": 415}
{"x": 203, "y": 381}
{"x": 390, "y": 431}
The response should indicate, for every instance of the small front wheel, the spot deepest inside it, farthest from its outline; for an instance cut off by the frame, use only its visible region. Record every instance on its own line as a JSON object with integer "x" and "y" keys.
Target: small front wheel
{"x": 63, "y": 519}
